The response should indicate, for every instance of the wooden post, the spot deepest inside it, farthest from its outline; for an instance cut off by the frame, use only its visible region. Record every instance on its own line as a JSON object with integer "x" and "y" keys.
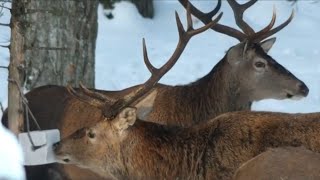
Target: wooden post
{"x": 16, "y": 72}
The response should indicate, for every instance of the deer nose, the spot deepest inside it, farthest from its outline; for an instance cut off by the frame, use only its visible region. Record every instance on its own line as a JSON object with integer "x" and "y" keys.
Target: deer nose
{"x": 303, "y": 89}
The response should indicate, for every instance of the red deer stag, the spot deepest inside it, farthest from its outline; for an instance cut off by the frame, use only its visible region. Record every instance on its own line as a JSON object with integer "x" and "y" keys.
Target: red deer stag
{"x": 281, "y": 163}
{"x": 244, "y": 75}
{"x": 72, "y": 107}
{"x": 128, "y": 148}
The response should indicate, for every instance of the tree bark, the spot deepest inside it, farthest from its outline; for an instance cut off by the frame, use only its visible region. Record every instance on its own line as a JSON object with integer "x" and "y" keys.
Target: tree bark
{"x": 16, "y": 71}
{"x": 52, "y": 42}
{"x": 60, "y": 42}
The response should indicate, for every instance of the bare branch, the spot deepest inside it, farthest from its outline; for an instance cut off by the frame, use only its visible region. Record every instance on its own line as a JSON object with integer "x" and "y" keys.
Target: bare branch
{"x": 1, "y": 107}
{"x": 24, "y": 99}
{"x": 8, "y": 46}
{"x": 3, "y": 24}
{"x": 4, "y": 7}
{"x": 4, "y": 67}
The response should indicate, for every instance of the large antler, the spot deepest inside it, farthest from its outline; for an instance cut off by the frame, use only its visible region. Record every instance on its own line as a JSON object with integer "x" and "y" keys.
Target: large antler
{"x": 238, "y": 9}
{"x": 110, "y": 106}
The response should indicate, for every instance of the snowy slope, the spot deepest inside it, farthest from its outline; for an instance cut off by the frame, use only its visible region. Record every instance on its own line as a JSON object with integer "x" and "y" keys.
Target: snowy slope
{"x": 119, "y": 61}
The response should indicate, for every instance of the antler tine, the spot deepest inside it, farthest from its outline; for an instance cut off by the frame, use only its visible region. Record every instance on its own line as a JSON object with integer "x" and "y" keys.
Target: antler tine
{"x": 204, "y": 28}
{"x": 85, "y": 98}
{"x": 156, "y": 74}
{"x": 248, "y": 4}
{"x": 214, "y": 11}
{"x": 150, "y": 67}
{"x": 96, "y": 95}
{"x": 277, "y": 29}
{"x": 206, "y": 18}
{"x": 265, "y": 30}
{"x": 238, "y": 11}
{"x": 249, "y": 33}
{"x": 189, "y": 19}
{"x": 179, "y": 25}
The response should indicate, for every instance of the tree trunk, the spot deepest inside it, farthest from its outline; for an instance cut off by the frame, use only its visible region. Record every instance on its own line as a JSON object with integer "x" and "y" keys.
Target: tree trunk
{"x": 16, "y": 71}
{"x": 60, "y": 42}
{"x": 52, "y": 42}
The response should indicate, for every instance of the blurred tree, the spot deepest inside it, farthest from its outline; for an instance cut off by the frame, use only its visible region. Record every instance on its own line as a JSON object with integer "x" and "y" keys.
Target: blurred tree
{"x": 52, "y": 42}
{"x": 16, "y": 73}
{"x": 145, "y": 7}
{"x": 60, "y": 38}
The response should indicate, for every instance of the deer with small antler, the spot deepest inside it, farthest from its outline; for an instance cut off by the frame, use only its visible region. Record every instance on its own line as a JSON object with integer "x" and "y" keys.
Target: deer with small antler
{"x": 124, "y": 147}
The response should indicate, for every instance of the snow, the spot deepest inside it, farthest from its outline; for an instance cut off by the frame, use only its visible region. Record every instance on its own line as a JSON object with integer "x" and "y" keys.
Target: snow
{"x": 119, "y": 61}
{"x": 11, "y": 156}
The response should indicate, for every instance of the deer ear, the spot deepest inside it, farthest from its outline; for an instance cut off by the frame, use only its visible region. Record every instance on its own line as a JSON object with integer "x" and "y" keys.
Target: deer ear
{"x": 125, "y": 118}
{"x": 235, "y": 53}
{"x": 267, "y": 44}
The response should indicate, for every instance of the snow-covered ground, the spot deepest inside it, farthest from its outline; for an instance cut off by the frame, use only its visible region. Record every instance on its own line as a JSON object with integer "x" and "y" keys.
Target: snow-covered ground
{"x": 119, "y": 61}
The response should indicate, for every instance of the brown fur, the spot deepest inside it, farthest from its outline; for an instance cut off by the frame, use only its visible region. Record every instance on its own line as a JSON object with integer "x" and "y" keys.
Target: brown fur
{"x": 231, "y": 85}
{"x": 212, "y": 150}
{"x": 286, "y": 163}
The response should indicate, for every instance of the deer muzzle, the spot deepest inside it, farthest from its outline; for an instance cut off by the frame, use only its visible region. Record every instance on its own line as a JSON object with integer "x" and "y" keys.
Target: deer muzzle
{"x": 301, "y": 90}
{"x": 59, "y": 154}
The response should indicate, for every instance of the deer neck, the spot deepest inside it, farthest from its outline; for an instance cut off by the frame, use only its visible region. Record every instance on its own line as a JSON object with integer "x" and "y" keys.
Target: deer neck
{"x": 216, "y": 93}
{"x": 150, "y": 143}
{"x": 111, "y": 165}
{"x": 138, "y": 159}
{"x": 223, "y": 91}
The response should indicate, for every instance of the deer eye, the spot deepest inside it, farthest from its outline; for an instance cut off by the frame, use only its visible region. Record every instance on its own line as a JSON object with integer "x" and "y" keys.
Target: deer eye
{"x": 91, "y": 134}
{"x": 260, "y": 64}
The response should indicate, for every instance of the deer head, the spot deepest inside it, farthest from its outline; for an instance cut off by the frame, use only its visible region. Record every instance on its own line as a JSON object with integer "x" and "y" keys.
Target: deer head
{"x": 101, "y": 140}
{"x": 249, "y": 62}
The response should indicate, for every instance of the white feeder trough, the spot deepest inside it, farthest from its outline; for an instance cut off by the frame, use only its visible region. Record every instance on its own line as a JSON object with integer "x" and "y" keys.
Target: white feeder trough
{"x": 44, "y": 140}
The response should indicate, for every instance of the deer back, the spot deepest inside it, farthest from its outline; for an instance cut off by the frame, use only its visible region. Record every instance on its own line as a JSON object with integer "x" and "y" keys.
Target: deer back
{"x": 281, "y": 163}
